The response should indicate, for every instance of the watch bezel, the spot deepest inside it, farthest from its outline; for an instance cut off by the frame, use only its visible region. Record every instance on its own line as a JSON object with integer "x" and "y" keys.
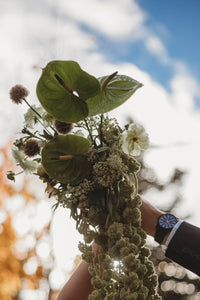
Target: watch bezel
{"x": 167, "y": 221}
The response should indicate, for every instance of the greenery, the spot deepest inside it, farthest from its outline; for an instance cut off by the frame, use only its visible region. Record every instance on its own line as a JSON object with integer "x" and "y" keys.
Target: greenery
{"x": 90, "y": 168}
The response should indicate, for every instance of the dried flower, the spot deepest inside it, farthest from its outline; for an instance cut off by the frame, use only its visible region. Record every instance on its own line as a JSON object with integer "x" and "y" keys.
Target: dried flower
{"x": 18, "y": 93}
{"x": 31, "y": 148}
{"x": 134, "y": 140}
{"x": 63, "y": 127}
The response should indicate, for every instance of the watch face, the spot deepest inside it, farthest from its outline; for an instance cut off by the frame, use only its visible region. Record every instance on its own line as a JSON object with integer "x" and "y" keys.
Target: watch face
{"x": 167, "y": 221}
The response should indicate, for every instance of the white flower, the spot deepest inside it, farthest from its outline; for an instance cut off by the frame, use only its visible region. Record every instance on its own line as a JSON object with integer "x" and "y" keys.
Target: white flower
{"x": 48, "y": 120}
{"x": 31, "y": 117}
{"x": 19, "y": 158}
{"x": 29, "y": 166}
{"x": 135, "y": 139}
{"x": 17, "y": 155}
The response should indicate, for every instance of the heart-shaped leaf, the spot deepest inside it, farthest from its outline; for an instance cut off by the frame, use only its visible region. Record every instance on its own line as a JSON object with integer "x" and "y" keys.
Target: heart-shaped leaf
{"x": 63, "y": 88}
{"x": 115, "y": 91}
{"x": 64, "y": 158}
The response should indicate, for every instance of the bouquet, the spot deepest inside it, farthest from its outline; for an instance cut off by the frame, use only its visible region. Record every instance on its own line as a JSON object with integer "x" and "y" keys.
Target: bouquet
{"x": 88, "y": 164}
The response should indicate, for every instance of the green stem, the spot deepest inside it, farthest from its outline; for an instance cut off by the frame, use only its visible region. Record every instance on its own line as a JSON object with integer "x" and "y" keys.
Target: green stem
{"x": 134, "y": 179}
{"x": 32, "y": 108}
{"x": 101, "y": 134}
{"x": 19, "y": 173}
{"x": 88, "y": 129}
{"x": 136, "y": 183}
{"x": 40, "y": 117}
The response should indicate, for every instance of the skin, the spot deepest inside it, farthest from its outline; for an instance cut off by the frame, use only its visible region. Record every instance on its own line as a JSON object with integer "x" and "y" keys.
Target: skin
{"x": 79, "y": 286}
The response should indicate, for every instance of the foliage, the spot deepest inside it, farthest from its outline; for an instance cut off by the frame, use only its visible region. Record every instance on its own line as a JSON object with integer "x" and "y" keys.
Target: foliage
{"x": 16, "y": 253}
{"x": 89, "y": 172}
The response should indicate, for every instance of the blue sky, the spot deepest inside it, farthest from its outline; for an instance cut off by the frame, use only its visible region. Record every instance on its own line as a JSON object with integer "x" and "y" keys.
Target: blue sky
{"x": 177, "y": 25}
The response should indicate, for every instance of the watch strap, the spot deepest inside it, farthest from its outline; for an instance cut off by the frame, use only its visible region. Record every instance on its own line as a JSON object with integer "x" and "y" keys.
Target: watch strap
{"x": 160, "y": 233}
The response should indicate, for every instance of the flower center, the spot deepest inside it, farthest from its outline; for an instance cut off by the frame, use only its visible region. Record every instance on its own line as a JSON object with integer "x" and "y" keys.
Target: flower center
{"x": 135, "y": 139}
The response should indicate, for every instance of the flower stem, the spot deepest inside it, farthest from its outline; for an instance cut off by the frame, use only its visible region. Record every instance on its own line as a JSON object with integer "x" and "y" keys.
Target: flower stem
{"x": 93, "y": 141}
{"x": 32, "y": 108}
{"x": 101, "y": 134}
{"x": 136, "y": 183}
{"x": 20, "y": 172}
{"x": 40, "y": 117}
{"x": 134, "y": 179}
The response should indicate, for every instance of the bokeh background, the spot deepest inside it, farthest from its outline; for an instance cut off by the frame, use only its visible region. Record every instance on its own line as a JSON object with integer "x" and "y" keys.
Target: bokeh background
{"x": 155, "y": 42}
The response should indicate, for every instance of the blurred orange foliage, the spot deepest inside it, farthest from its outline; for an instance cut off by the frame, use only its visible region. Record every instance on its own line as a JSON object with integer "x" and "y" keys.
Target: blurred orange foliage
{"x": 12, "y": 272}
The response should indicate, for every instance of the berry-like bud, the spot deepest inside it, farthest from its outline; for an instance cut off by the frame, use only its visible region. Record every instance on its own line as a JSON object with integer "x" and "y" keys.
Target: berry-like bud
{"x": 31, "y": 148}
{"x": 18, "y": 93}
{"x": 63, "y": 127}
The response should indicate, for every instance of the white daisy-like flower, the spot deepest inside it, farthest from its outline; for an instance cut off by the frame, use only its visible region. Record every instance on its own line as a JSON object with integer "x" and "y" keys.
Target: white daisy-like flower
{"x": 30, "y": 117}
{"x": 134, "y": 140}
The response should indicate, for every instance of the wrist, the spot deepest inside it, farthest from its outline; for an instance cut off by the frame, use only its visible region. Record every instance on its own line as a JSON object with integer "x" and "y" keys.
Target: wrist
{"x": 150, "y": 215}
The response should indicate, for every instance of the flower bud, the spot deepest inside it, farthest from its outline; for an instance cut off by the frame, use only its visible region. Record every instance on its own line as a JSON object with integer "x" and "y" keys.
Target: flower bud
{"x": 63, "y": 127}
{"x": 18, "y": 93}
{"x": 31, "y": 148}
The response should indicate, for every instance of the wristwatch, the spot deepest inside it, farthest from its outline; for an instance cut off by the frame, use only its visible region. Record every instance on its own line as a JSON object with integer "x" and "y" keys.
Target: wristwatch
{"x": 164, "y": 225}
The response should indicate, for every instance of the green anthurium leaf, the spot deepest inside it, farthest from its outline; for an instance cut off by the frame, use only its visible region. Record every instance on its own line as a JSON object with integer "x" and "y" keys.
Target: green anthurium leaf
{"x": 63, "y": 88}
{"x": 64, "y": 158}
{"x": 116, "y": 89}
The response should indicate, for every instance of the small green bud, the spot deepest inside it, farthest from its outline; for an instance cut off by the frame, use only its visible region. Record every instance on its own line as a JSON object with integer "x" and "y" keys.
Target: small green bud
{"x": 10, "y": 175}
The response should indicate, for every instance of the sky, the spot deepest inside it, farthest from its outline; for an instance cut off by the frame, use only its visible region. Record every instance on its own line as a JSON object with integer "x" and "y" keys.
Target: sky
{"x": 154, "y": 42}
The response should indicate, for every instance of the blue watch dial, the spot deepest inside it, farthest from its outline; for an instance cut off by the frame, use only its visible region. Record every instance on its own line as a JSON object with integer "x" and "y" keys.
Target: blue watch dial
{"x": 167, "y": 221}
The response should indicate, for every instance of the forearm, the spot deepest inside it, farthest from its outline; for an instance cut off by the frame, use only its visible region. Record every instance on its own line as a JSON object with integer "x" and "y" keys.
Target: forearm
{"x": 79, "y": 285}
{"x": 150, "y": 215}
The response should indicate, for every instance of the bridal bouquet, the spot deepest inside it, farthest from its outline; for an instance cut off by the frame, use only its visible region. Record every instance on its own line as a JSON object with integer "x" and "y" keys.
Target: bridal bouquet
{"x": 88, "y": 164}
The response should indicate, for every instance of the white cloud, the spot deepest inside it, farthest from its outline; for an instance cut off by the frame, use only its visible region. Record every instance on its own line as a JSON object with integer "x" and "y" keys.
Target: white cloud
{"x": 32, "y": 33}
{"x": 113, "y": 18}
{"x": 157, "y": 48}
